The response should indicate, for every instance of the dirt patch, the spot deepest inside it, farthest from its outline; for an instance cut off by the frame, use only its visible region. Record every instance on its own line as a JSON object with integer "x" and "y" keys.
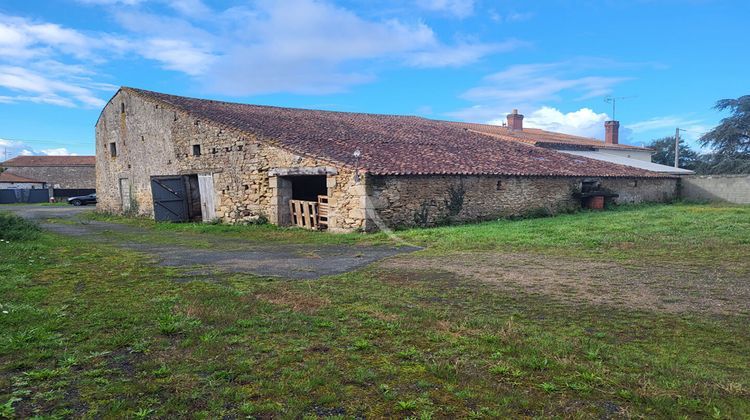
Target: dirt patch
{"x": 293, "y": 300}
{"x": 125, "y": 361}
{"x": 417, "y": 274}
{"x": 665, "y": 288}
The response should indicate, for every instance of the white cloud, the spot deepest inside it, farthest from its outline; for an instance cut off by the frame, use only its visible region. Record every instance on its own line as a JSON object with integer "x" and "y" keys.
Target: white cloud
{"x": 185, "y": 7}
{"x": 60, "y": 151}
{"x": 30, "y": 66}
{"x": 665, "y": 126}
{"x": 306, "y": 46}
{"x": 458, "y": 8}
{"x": 539, "y": 82}
{"x": 662, "y": 123}
{"x": 461, "y": 54}
{"x": 528, "y": 86}
{"x": 33, "y": 85}
{"x": 194, "y": 8}
{"x": 265, "y": 46}
{"x": 509, "y": 16}
{"x": 178, "y": 55}
{"x": 21, "y": 38}
{"x": 10, "y": 149}
{"x": 112, "y": 2}
{"x": 15, "y": 148}
{"x": 584, "y": 122}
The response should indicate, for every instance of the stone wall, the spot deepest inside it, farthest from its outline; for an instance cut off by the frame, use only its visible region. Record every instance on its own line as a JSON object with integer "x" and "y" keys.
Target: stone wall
{"x": 153, "y": 139}
{"x": 63, "y": 177}
{"x": 642, "y": 190}
{"x": 398, "y": 201}
{"x": 722, "y": 188}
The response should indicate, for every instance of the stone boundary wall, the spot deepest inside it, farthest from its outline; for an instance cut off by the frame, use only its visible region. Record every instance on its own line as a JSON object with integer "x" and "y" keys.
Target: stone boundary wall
{"x": 406, "y": 201}
{"x": 718, "y": 188}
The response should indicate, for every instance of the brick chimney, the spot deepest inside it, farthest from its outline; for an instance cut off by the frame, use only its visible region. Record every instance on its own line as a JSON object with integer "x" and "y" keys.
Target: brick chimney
{"x": 611, "y": 132}
{"x": 515, "y": 121}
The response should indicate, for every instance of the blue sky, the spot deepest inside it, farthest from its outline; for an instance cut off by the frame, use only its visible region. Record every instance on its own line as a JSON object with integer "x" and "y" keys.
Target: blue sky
{"x": 474, "y": 60}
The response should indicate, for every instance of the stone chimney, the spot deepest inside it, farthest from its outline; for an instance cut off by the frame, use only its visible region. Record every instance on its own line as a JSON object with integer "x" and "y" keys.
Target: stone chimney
{"x": 611, "y": 132}
{"x": 515, "y": 121}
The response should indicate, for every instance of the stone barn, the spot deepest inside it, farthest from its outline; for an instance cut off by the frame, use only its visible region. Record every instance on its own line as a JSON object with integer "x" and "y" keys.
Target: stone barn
{"x": 68, "y": 175}
{"x": 177, "y": 158}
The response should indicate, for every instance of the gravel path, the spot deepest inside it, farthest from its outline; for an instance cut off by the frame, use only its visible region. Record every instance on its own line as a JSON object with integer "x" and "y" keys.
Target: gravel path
{"x": 294, "y": 261}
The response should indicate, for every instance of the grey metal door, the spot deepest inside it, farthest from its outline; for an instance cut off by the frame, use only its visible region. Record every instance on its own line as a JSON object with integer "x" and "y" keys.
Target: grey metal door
{"x": 170, "y": 198}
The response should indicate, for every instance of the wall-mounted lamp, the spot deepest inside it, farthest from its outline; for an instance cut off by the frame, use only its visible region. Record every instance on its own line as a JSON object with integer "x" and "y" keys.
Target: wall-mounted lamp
{"x": 357, "y": 154}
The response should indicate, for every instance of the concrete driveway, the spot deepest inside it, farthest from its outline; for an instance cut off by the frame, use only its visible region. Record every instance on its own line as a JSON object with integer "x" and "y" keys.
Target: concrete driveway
{"x": 294, "y": 261}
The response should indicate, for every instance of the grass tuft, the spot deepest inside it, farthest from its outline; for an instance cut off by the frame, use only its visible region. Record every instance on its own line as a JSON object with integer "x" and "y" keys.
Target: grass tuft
{"x": 15, "y": 228}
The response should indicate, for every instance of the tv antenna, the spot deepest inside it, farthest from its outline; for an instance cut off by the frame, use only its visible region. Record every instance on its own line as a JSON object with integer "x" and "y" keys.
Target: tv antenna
{"x": 613, "y": 100}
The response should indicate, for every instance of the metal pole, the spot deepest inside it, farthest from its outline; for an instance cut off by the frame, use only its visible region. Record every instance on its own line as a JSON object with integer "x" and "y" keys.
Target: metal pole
{"x": 677, "y": 147}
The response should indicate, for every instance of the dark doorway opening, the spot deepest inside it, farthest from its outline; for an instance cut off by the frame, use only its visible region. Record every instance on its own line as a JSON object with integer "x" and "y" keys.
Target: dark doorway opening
{"x": 193, "y": 198}
{"x": 308, "y": 187}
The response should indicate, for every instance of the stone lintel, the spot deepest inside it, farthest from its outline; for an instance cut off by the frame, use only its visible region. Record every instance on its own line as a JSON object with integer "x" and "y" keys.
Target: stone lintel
{"x": 315, "y": 170}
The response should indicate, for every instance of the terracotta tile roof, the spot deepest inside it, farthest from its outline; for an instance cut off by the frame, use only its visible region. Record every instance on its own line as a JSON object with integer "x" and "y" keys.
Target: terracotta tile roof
{"x": 542, "y": 137}
{"x": 50, "y": 161}
{"x": 8, "y": 177}
{"x": 390, "y": 144}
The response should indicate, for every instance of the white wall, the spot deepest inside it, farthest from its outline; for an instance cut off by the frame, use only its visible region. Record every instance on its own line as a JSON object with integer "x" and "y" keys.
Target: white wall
{"x": 643, "y": 155}
{"x": 21, "y": 186}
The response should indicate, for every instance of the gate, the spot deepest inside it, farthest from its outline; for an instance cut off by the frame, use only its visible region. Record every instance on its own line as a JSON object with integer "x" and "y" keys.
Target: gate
{"x": 170, "y": 199}
{"x": 11, "y": 196}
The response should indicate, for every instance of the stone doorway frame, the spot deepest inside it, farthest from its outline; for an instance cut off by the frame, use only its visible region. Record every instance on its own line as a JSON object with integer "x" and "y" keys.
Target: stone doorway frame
{"x": 281, "y": 189}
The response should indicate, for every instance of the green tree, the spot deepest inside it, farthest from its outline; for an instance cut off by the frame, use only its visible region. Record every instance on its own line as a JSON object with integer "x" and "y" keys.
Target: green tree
{"x": 713, "y": 163}
{"x": 731, "y": 138}
{"x": 664, "y": 153}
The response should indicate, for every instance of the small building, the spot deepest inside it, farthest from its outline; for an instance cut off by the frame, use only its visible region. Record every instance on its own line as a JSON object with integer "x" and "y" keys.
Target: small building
{"x": 179, "y": 158}
{"x": 10, "y": 181}
{"x": 69, "y": 176}
{"x": 609, "y": 150}
{"x": 19, "y": 189}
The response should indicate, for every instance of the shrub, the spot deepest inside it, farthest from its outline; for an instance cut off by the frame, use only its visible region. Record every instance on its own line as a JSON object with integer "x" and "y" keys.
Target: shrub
{"x": 14, "y": 228}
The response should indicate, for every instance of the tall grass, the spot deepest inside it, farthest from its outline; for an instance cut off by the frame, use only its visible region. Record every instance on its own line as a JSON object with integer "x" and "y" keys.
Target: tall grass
{"x": 14, "y": 228}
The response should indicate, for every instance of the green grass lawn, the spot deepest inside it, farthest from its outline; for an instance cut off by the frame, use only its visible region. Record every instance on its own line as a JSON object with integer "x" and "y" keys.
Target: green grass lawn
{"x": 91, "y": 330}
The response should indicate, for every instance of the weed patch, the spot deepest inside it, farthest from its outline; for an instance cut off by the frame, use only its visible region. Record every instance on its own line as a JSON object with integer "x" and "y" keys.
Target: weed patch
{"x": 15, "y": 228}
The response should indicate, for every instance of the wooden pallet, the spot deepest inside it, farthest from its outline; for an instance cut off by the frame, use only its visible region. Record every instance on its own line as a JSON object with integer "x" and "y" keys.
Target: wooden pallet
{"x": 323, "y": 210}
{"x": 304, "y": 213}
